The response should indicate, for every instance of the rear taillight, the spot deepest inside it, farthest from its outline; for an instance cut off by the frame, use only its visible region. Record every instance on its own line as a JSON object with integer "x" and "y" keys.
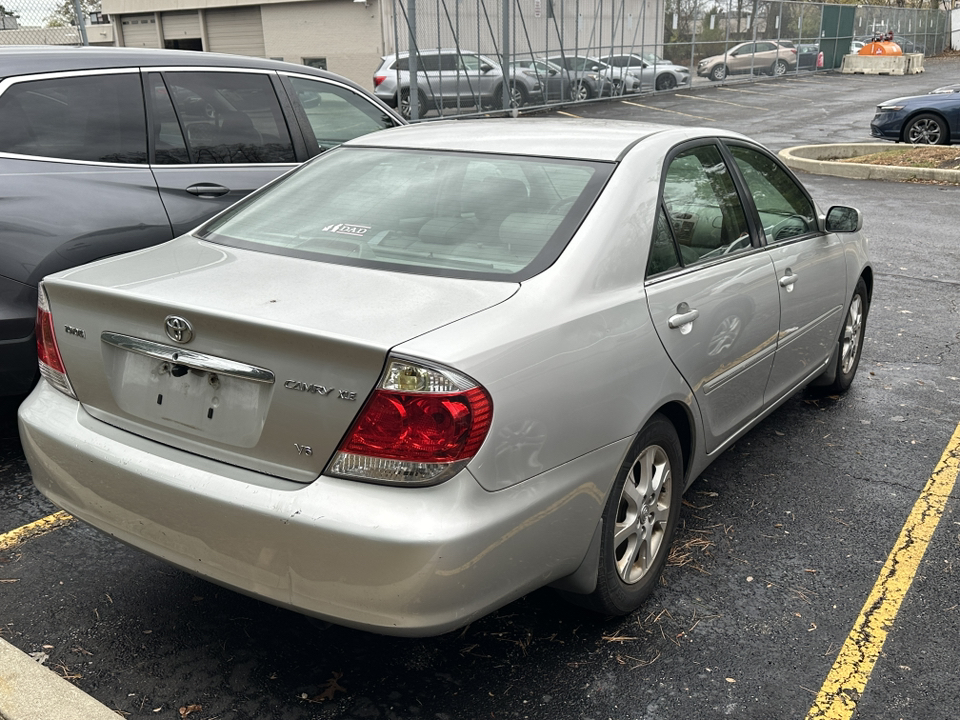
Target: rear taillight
{"x": 377, "y": 79}
{"x": 820, "y": 60}
{"x": 48, "y": 354}
{"x": 421, "y": 426}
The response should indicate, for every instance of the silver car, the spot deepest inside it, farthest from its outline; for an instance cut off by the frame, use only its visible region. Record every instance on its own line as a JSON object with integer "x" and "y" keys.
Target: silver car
{"x": 654, "y": 72}
{"x": 451, "y": 78}
{"x": 444, "y": 365}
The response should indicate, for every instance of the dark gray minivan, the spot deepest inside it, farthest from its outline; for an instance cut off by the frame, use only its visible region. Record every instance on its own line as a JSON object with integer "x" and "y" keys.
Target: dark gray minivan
{"x": 107, "y": 150}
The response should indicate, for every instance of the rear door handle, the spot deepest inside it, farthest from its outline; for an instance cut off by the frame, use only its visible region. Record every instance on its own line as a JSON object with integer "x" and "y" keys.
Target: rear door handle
{"x": 788, "y": 280}
{"x": 207, "y": 190}
{"x": 685, "y": 315}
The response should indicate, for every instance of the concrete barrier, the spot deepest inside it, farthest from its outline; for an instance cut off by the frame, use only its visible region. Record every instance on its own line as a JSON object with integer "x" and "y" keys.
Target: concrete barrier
{"x": 882, "y": 64}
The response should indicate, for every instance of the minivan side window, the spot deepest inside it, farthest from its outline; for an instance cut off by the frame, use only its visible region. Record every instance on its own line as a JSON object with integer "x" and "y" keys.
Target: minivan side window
{"x": 95, "y": 118}
{"x": 230, "y": 118}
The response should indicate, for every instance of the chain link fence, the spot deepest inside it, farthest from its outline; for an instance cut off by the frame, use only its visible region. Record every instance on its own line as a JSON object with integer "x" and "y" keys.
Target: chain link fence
{"x": 53, "y": 22}
{"x": 467, "y": 56}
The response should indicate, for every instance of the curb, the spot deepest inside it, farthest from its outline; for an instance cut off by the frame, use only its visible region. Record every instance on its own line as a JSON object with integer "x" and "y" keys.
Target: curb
{"x": 822, "y": 160}
{"x": 29, "y": 691}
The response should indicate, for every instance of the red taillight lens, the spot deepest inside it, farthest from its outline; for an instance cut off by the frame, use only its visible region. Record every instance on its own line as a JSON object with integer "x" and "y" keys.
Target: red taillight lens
{"x": 48, "y": 354}
{"x": 820, "y": 60}
{"x": 47, "y": 351}
{"x": 420, "y": 426}
{"x": 377, "y": 79}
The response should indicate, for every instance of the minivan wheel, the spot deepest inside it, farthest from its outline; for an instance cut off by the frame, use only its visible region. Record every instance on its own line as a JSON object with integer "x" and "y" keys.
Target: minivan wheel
{"x": 639, "y": 521}
{"x": 719, "y": 72}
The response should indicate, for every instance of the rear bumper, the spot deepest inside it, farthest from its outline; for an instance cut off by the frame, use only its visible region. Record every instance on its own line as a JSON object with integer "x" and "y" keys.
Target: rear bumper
{"x": 404, "y": 561}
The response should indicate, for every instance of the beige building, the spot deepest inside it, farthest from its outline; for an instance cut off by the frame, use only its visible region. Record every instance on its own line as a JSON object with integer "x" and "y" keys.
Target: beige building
{"x": 343, "y": 36}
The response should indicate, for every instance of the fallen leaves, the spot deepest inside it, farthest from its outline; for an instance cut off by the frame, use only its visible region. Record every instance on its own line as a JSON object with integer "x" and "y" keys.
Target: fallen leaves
{"x": 188, "y": 709}
{"x": 328, "y": 690}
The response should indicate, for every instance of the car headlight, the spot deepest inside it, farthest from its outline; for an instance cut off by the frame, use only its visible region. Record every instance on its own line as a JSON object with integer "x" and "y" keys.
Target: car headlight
{"x": 889, "y": 108}
{"x": 593, "y": 76}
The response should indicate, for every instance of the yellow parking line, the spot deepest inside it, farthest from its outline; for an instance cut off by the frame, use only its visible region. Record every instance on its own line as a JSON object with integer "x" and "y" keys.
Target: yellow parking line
{"x": 676, "y": 112}
{"x": 561, "y": 112}
{"x": 725, "y": 102}
{"x": 848, "y": 678}
{"x": 39, "y": 527}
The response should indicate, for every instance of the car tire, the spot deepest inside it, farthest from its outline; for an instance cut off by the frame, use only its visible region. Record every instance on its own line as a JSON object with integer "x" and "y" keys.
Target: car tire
{"x": 518, "y": 96}
{"x": 639, "y": 521}
{"x": 403, "y": 104}
{"x": 779, "y": 68}
{"x": 581, "y": 90}
{"x": 718, "y": 73}
{"x": 666, "y": 82}
{"x": 851, "y": 339}
{"x": 926, "y": 129}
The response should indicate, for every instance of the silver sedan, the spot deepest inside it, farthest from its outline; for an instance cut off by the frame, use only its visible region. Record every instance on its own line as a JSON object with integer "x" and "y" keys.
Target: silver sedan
{"x": 445, "y": 365}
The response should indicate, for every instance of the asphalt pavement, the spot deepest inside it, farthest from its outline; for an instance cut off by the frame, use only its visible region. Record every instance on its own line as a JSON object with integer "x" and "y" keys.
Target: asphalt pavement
{"x": 782, "y": 539}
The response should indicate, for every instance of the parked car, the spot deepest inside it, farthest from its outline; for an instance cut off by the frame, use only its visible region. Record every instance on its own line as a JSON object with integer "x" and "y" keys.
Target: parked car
{"x": 932, "y": 119}
{"x": 72, "y": 127}
{"x": 655, "y": 73}
{"x": 470, "y": 358}
{"x": 855, "y": 47}
{"x": 553, "y": 79}
{"x": 450, "y": 78}
{"x": 588, "y": 78}
{"x": 809, "y": 56}
{"x": 764, "y": 56}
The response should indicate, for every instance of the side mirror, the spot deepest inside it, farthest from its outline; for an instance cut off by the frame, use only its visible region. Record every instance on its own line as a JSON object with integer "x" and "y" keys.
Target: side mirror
{"x": 594, "y": 68}
{"x": 842, "y": 219}
{"x": 485, "y": 68}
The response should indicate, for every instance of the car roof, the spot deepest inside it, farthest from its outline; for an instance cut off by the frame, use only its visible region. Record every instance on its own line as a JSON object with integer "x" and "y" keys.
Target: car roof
{"x": 597, "y": 140}
{"x": 27, "y": 60}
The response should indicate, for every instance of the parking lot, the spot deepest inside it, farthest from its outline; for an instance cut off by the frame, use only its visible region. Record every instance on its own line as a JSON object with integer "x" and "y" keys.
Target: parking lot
{"x": 782, "y": 540}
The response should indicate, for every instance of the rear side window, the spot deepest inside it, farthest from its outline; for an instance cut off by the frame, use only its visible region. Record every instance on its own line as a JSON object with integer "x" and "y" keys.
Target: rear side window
{"x": 705, "y": 209}
{"x": 437, "y": 213}
{"x": 97, "y": 118}
{"x": 335, "y": 114}
{"x": 229, "y": 118}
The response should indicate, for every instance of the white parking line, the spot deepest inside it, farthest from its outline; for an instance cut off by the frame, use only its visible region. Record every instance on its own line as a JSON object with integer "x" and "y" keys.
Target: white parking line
{"x": 768, "y": 94}
{"x": 725, "y": 102}
{"x": 675, "y": 112}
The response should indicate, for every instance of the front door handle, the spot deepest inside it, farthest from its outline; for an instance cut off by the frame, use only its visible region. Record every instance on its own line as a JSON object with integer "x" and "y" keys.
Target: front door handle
{"x": 207, "y": 190}
{"x": 684, "y": 318}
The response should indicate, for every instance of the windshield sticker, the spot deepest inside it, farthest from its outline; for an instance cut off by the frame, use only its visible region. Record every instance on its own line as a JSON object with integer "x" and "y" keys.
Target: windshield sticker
{"x": 345, "y": 229}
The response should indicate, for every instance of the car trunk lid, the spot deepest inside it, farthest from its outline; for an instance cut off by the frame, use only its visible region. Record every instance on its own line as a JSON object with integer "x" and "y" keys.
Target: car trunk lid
{"x": 259, "y": 360}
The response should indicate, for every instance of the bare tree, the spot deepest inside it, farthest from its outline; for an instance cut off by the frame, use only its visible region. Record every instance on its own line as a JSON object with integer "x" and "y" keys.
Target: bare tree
{"x": 64, "y": 13}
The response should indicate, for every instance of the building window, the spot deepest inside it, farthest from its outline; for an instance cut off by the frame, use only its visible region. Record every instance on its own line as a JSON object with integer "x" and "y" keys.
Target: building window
{"x": 320, "y": 63}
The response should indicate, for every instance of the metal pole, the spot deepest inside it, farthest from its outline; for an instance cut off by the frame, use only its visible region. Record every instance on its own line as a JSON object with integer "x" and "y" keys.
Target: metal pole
{"x": 505, "y": 53}
{"x": 693, "y": 40}
{"x": 81, "y": 23}
{"x": 414, "y": 97}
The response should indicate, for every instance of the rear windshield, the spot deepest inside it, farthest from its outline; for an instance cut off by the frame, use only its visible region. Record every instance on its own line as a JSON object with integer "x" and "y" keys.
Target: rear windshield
{"x": 428, "y": 212}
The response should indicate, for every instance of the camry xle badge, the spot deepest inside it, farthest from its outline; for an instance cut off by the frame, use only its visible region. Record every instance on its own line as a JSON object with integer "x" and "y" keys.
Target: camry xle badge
{"x": 314, "y": 389}
{"x": 178, "y": 329}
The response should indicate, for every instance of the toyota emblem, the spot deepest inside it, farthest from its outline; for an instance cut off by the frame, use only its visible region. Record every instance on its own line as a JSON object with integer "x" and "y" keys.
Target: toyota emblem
{"x": 178, "y": 329}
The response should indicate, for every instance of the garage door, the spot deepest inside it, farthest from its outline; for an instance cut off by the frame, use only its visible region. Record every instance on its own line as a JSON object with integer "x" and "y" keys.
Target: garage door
{"x": 140, "y": 31}
{"x": 238, "y": 31}
{"x": 177, "y": 25}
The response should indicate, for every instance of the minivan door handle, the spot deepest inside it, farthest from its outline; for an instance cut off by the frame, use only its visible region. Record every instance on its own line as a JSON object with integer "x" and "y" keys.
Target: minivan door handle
{"x": 207, "y": 190}
{"x": 683, "y": 319}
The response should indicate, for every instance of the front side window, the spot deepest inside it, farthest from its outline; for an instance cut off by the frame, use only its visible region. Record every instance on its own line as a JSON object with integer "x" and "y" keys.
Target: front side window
{"x": 336, "y": 114}
{"x": 97, "y": 118}
{"x": 663, "y": 251}
{"x": 705, "y": 210}
{"x": 439, "y": 213}
{"x": 785, "y": 210}
{"x": 230, "y": 118}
